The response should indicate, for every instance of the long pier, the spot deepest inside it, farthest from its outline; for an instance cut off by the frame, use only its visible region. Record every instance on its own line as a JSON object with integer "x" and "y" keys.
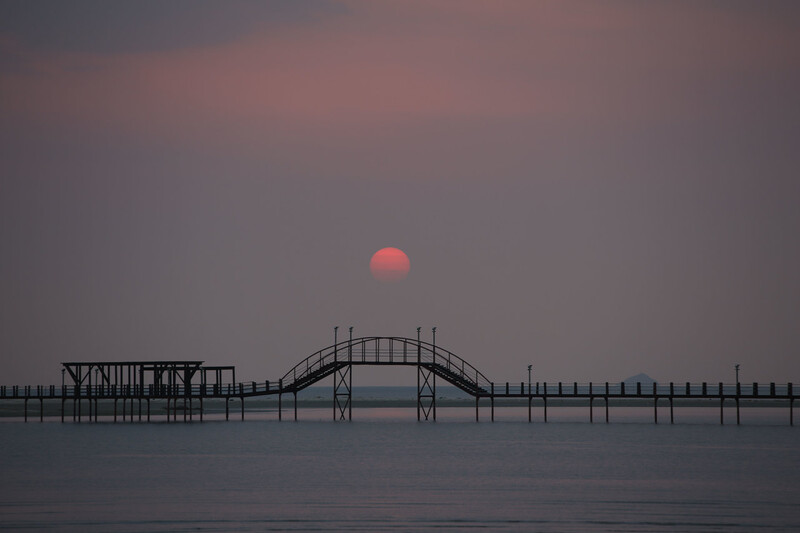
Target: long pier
{"x": 133, "y": 385}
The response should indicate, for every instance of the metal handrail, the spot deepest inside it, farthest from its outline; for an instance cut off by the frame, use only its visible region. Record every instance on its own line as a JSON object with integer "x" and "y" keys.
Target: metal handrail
{"x": 444, "y": 363}
{"x": 362, "y": 351}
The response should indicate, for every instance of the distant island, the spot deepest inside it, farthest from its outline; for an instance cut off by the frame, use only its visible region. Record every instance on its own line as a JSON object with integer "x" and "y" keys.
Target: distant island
{"x": 642, "y": 378}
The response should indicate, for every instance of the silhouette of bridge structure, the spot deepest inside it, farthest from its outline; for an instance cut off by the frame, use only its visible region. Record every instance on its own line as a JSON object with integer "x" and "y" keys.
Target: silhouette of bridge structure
{"x": 182, "y": 383}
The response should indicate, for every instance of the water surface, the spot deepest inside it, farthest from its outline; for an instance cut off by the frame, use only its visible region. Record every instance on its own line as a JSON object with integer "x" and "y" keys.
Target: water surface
{"x": 385, "y": 471}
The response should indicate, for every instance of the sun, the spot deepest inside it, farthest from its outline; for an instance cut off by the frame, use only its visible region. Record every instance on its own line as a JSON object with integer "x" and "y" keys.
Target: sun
{"x": 389, "y": 265}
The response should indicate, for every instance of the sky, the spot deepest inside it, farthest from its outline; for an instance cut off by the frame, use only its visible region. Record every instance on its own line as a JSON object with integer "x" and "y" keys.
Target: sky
{"x": 596, "y": 189}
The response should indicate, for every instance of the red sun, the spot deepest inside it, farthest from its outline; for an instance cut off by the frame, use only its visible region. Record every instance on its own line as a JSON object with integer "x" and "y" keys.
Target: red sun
{"x": 390, "y": 265}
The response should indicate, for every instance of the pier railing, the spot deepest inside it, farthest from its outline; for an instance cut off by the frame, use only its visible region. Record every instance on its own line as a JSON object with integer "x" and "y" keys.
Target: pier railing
{"x": 445, "y": 364}
{"x": 250, "y": 388}
{"x": 637, "y": 389}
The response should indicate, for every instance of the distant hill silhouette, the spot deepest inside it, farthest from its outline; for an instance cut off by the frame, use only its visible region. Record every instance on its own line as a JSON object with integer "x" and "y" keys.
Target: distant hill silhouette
{"x": 640, "y": 378}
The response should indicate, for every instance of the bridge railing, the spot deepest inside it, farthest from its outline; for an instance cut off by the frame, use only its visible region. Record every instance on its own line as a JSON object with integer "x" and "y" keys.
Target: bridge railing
{"x": 459, "y": 368}
{"x": 383, "y": 350}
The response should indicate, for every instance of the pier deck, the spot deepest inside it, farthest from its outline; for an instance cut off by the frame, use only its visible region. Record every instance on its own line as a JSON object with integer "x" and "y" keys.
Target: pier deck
{"x": 184, "y": 385}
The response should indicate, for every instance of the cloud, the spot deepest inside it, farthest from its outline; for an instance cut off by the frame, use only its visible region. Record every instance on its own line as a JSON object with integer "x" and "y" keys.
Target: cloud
{"x": 101, "y": 27}
{"x": 402, "y": 66}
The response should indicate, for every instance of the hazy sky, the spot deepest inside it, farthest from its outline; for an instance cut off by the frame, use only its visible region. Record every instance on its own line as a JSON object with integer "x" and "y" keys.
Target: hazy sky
{"x": 594, "y": 188}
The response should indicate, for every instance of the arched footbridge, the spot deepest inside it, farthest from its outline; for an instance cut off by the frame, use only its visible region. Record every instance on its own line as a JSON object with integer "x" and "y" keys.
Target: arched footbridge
{"x": 431, "y": 361}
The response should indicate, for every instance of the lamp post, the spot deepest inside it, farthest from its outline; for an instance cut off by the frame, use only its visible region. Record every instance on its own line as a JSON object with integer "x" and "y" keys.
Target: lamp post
{"x": 335, "y": 343}
{"x": 434, "y": 336}
{"x": 529, "y": 377}
{"x": 737, "y": 373}
{"x": 63, "y": 370}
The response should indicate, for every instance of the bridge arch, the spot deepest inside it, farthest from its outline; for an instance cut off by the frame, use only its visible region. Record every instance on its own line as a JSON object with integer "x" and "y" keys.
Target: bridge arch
{"x": 431, "y": 361}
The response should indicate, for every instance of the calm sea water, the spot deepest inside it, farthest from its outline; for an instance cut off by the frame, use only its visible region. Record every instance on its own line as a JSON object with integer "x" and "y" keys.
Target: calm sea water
{"x": 385, "y": 471}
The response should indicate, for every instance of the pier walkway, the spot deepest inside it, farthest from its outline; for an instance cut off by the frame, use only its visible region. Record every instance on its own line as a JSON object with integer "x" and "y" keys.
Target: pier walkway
{"x": 184, "y": 385}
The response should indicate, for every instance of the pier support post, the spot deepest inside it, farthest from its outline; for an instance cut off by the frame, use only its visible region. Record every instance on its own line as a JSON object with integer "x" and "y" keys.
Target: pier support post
{"x": 491, "y": 400}
{"x": 26, "y": 409}
{"x": 426, "y": 393}
{"x": 63, "y": 401}
{"x": 671, "y": 414}
{"x": 606, "y": 399}
{"x": 280, "y": 400}
{"x": 41, "y": 410}
{"x": 721, "y": 418}
{"x": 419, "y": 381}
{"x": 530, "y": 401}
{"x": 737, "y": 411}
{"x": 591, "y": 411}
{"x": 655, "y": 409}
{"x": 148, "y": 409}
{"x": 343, "y": 392}
{"x": 295, "y": 406}
{"x": 544, "y": 399}
{"x": 227, "y": 409}
{"x": 242, "y": 399}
